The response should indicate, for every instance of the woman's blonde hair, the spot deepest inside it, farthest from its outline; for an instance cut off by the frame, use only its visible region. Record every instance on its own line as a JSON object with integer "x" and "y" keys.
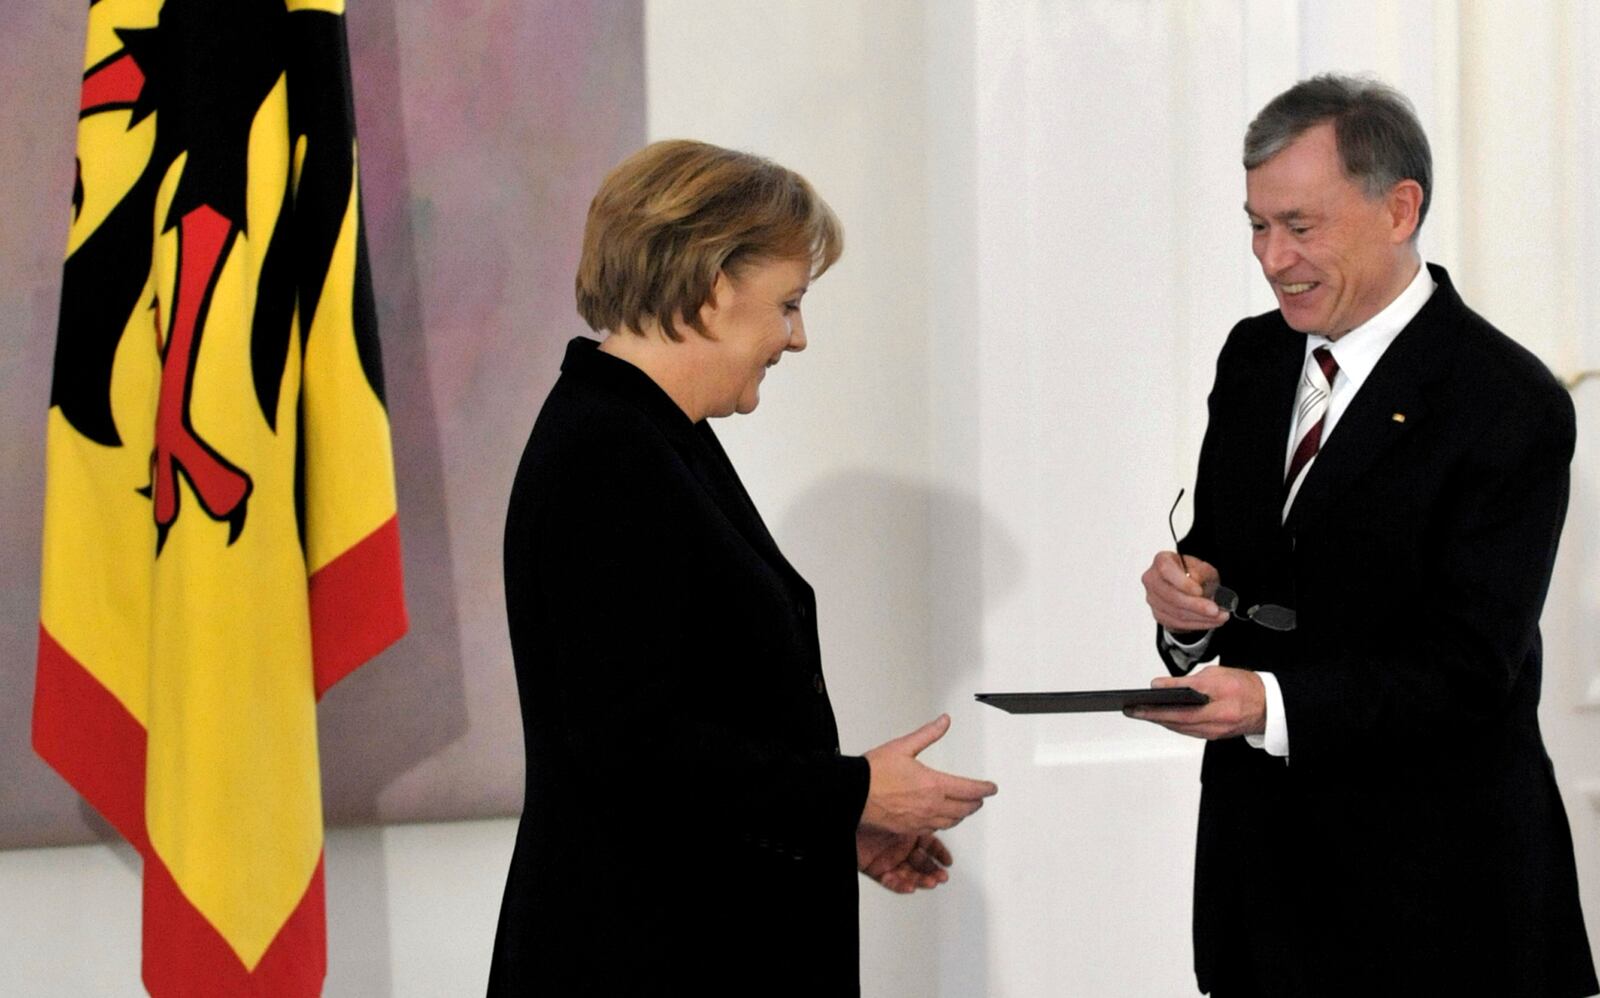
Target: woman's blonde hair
{"x": 674, "y": 214}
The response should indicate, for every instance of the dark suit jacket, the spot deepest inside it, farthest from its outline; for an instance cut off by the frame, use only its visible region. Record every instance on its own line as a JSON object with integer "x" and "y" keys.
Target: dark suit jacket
{"x": 689, "y": 823}
{"x": 1415, "y": 842}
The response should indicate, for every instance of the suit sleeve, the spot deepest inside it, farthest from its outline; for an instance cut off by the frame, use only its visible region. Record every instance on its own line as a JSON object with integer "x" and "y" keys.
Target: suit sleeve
{"x": 614, "y": 578}
{"x": 1200, "y": 541}
{"x": 1463, "y": 640}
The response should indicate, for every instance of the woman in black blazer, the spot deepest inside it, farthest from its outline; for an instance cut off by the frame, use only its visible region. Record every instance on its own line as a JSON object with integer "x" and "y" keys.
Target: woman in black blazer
{"x": 690, "y": 826}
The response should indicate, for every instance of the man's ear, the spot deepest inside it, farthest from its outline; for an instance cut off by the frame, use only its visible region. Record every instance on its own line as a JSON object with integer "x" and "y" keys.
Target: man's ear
{"x": 1405, "y": 210}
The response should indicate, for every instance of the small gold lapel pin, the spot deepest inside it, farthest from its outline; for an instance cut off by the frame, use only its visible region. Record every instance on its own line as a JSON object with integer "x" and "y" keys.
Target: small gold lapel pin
{"x": 1399, "y": 417}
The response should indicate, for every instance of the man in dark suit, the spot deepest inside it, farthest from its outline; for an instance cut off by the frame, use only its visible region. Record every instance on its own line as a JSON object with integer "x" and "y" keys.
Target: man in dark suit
{"x": 1378, "y": 815}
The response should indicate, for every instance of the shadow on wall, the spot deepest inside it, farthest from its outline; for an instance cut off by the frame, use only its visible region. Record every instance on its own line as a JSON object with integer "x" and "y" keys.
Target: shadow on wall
{"x": 903, "y": 572}
{"x": 973, "y": 563}
{"x": 900, "y": 566}
{"x": 41, "y": 60}
{"x": 409, "y": 702}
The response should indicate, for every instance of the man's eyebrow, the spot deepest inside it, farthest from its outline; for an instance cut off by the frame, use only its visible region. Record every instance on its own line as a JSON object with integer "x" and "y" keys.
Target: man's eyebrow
{"x": 1291, "y": 215}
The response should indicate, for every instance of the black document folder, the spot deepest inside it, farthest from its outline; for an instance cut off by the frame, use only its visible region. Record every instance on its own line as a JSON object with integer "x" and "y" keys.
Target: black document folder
{"x": 1080, "y": 701}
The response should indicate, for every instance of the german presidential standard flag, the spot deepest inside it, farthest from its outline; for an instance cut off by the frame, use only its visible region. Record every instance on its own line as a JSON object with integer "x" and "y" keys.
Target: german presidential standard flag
{"x": 220, "y": 540}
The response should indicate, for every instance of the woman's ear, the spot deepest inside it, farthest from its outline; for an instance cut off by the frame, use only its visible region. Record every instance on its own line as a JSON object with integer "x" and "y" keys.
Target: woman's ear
{"x": 717, "y": 302}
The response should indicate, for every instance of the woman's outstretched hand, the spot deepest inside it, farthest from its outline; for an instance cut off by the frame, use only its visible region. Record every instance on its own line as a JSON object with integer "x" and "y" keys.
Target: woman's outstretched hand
{"x": 907, "y": 798}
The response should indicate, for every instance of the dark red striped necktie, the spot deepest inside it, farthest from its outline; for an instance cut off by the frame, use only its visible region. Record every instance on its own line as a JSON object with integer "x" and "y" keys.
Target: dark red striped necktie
{"x": 1311, "y": 409}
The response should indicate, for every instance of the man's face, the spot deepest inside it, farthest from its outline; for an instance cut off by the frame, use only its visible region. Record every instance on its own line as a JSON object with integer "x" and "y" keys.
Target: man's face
{"x": 1333, "y": 256}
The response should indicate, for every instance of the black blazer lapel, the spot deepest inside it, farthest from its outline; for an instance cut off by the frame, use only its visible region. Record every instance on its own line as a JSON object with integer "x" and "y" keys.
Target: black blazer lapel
{"x": 1391, "y": 404}
{"x": 1259, "y": 451}
{"x": 712, "y": 467}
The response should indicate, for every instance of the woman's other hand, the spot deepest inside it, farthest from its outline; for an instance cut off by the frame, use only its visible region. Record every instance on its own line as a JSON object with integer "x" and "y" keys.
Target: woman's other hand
{"x": 902, "y": 863}
{"x": 907, "y": 798}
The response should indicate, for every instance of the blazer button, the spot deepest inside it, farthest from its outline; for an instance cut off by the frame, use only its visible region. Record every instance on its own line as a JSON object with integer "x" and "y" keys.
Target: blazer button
{"x": 801, "y": 611}
{"x": 816, "y": 683}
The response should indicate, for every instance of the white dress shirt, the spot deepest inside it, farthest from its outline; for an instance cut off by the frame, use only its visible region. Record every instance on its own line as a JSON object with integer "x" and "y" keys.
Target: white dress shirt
{"x": 1357, "y": 353}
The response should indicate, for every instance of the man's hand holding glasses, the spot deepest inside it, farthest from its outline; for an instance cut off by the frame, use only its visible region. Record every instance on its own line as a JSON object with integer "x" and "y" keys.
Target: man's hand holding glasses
{"x": 1179, "y": 590}
{"x": 1186, "y": 596}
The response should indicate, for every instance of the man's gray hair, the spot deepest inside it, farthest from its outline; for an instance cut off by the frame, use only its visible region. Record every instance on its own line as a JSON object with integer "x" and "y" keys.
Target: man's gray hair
{"x": 1380, "y": 140}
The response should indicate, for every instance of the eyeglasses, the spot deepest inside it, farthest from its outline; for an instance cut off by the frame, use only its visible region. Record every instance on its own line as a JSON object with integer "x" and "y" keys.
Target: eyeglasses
{"x": 1269, "y": 615}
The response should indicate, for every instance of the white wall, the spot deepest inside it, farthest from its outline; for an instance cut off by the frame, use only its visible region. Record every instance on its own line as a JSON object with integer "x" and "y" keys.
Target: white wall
{"x": 1004, "y": 390}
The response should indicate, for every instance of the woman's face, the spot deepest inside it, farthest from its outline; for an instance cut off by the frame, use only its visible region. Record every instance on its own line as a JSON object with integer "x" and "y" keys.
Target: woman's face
{"x": 754, "y": 319}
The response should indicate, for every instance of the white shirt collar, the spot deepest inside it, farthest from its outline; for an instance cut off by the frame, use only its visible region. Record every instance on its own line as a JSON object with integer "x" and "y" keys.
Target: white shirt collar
{"x": 1359, "y": 350}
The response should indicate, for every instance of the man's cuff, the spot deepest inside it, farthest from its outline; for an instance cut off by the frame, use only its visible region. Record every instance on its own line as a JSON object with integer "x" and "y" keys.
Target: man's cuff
{"x": 1186, "y": 654}
{"x": 1275, "y": 740}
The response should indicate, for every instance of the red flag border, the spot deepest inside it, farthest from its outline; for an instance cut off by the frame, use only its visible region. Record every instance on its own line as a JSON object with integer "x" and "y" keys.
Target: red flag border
{"x": 97, "y": 746}
{"x": 357, "y": 608}
{"x": 190, "y": 959}
{"x": 358, "y": 605}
